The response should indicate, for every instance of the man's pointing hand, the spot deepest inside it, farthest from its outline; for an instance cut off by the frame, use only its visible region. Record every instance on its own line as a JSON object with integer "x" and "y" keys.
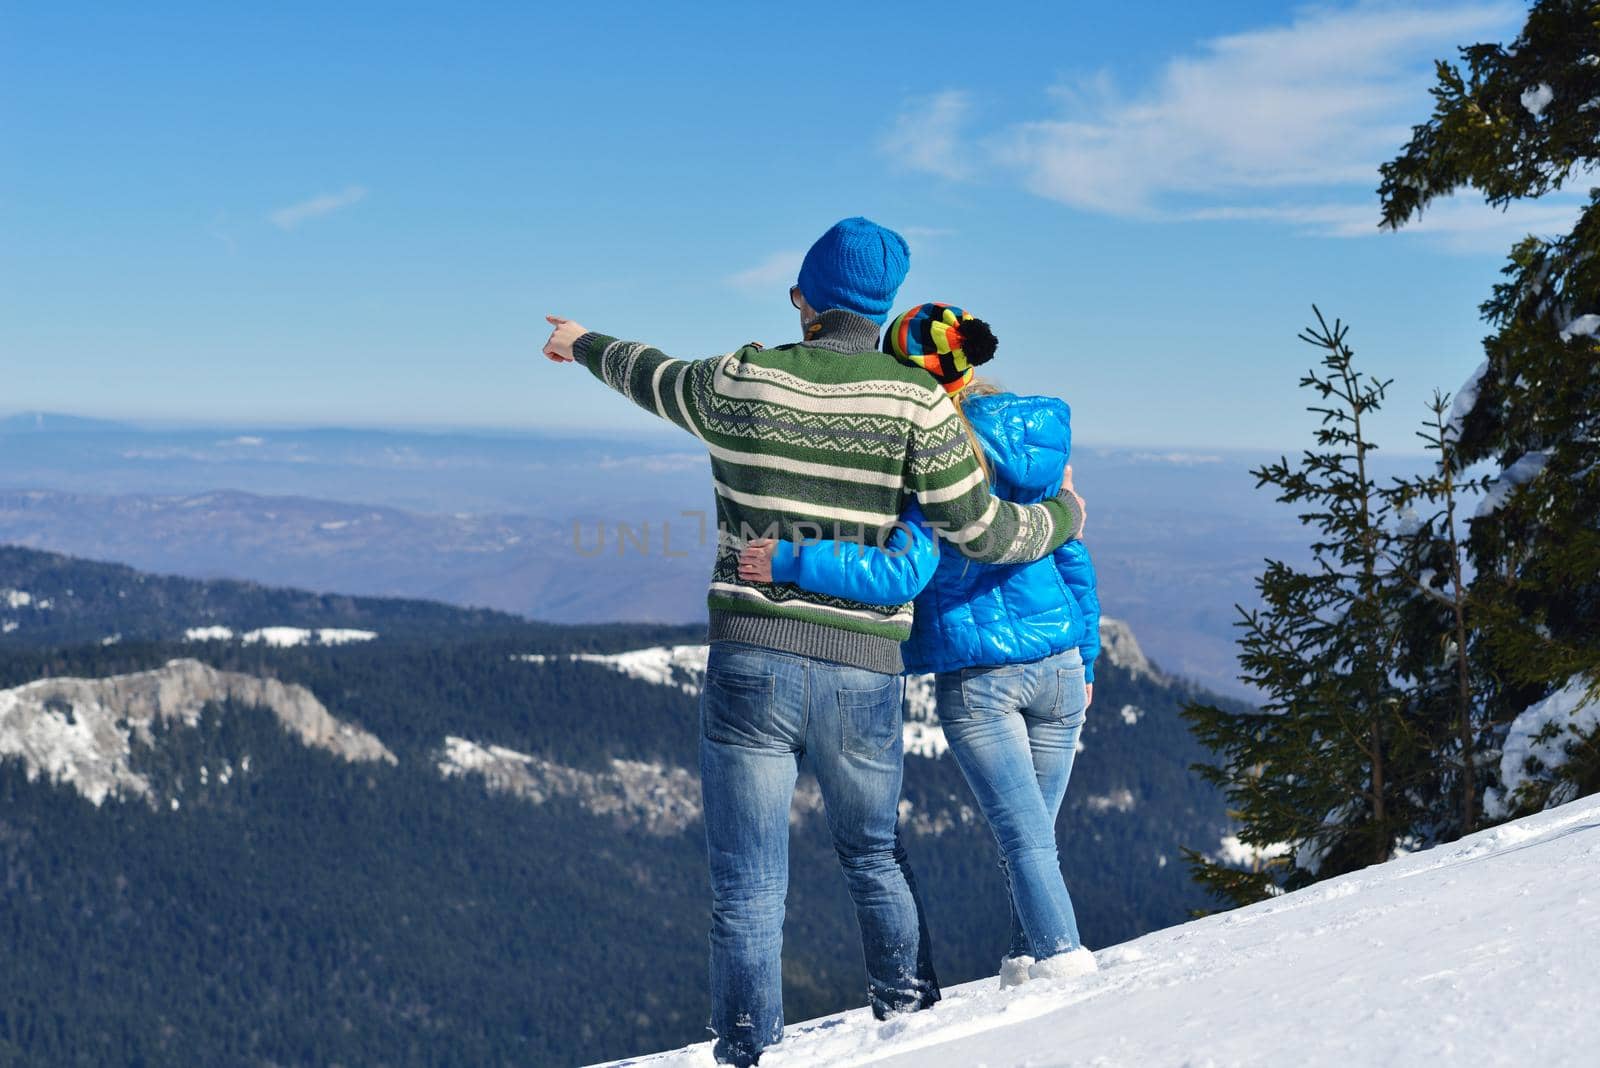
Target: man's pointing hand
{"x": 564, "y": 334}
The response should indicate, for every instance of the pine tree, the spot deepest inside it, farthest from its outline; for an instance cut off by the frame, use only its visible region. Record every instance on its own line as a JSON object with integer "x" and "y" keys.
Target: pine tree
{"x": 1326, "y": 768}
{"x": 1435, "y": 620}
{"x": 1519, "y": 122}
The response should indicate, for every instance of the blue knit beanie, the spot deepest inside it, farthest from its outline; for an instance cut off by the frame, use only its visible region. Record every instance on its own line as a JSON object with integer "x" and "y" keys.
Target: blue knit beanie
{"x": 858, "y": 266}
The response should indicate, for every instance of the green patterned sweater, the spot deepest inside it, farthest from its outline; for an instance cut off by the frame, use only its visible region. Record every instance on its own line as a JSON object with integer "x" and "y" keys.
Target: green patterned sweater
{"x": 825, "y": 438}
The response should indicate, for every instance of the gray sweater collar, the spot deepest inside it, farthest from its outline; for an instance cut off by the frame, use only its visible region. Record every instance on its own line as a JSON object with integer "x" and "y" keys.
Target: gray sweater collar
{"x": 842, "y": 331}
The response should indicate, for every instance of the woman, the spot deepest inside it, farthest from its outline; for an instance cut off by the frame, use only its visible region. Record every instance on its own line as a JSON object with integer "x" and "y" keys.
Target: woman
{"x": 1012, "y": 647}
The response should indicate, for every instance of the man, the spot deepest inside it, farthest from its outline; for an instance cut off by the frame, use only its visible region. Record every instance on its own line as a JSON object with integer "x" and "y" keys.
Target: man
{"x": 825, "y": 437}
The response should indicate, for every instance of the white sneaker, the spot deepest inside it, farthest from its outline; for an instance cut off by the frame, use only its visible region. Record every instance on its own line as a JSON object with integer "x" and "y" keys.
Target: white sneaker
{"x": 1014, "y": 971}
{"x": 1064, "y": 965}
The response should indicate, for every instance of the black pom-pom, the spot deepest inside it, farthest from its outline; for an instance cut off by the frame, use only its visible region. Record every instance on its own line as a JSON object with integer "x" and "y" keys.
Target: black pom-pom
{"x": 977, "y": 341}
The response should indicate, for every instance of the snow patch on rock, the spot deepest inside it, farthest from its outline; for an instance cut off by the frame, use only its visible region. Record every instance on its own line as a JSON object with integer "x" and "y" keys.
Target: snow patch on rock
{"x": 281, "y": 637}
{"x": 659, "y": 799}
{"x": 81, "y": 731}
{"x": 681, "y": 666}
{"x": 288, "y": 637}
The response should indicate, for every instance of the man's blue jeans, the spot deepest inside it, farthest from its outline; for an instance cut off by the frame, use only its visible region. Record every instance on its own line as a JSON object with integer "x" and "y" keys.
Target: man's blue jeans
{"x": 761, "y": 711}
{"x": 1014, "y": 731}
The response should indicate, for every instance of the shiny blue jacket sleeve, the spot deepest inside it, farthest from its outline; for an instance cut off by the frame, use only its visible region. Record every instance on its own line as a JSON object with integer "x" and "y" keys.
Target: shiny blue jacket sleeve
{"x": 891, "y": 575}
{"x": 1077, "y": 570}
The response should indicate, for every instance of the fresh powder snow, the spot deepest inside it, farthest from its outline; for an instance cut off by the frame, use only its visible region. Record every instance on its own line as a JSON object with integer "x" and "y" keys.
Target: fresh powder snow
{"x": 1582, "y": 326}
{"x": 1466, "y": 399}
{"x": 1479, "y": 952}
{"x": 1571, "y": 716}
{"x": 1235, "y": 852}
{"x": 1520, "y": 473}
{"x": 1537, "y": 99}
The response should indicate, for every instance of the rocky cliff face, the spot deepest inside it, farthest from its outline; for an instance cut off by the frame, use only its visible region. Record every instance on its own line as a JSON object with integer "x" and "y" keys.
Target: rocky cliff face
{"x": 661, "y": 800}
{"x": 82, "y": 731}
{"x": 1120, "y": 647}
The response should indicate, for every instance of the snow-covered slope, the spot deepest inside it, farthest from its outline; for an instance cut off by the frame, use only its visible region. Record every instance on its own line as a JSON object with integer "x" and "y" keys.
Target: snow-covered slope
{"x": 1480, "y": 952}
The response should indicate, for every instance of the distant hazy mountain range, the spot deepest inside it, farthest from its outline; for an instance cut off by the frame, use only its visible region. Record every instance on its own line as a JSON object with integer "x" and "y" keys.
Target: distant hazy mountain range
{"x": 242, "y": 825}
{"x": 571, "y": 528}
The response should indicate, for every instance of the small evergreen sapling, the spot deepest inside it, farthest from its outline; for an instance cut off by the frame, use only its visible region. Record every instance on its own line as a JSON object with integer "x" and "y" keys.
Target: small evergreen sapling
{"x": 1437, "y": 624}
{"x": 1326, "y": 766}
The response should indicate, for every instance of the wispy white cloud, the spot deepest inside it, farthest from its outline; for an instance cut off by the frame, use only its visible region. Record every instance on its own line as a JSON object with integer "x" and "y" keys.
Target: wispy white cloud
{"x": 1462, "y": 221}
{"x": 1281, "y": 124}
{"x": 928, "y": 136}
{"x": 315, "y": 207}
{"x": 778, "y": 269}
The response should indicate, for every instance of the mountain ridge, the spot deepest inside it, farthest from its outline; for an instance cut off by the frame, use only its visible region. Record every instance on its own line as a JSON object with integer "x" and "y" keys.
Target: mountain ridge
{"x": 310, "y": 908}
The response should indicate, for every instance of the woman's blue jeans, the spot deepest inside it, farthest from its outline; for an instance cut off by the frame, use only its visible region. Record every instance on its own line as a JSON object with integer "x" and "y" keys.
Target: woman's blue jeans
{"x": 761, "y": 711}
{"x": 1014, "y": 731}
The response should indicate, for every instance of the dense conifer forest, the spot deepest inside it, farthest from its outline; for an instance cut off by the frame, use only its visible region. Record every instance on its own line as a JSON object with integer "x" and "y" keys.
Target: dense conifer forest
{"x": 311, "y": 910}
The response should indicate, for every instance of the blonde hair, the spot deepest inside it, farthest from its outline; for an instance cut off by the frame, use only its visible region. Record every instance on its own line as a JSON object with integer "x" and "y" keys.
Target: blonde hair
{"x": 978, "y": 387}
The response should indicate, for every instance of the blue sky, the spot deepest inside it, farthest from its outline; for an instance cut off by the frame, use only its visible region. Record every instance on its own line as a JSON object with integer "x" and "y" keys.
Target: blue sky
{"x": 358, "y": 213}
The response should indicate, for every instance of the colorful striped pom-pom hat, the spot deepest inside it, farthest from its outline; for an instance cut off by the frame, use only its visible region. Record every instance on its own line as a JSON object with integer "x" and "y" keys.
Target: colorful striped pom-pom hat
{"x": 942, "y": 339}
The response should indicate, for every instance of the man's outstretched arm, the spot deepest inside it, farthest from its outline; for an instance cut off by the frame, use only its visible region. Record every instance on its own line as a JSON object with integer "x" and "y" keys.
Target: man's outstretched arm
{"x": 656, "y": 382}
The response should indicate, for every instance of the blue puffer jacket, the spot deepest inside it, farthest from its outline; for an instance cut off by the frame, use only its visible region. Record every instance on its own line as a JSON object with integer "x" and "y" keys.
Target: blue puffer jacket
{"x": 970, "y": 614}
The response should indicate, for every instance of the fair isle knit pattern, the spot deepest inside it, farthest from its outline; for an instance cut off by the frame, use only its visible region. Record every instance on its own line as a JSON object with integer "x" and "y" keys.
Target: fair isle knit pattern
{"x": 825, "y": 439}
